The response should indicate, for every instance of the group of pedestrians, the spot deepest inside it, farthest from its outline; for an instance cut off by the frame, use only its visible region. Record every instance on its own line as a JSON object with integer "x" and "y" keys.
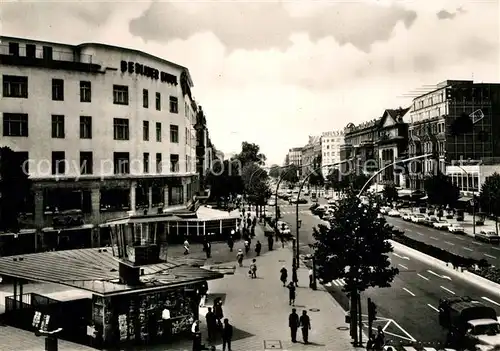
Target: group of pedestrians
{"x": 216, "y": 325}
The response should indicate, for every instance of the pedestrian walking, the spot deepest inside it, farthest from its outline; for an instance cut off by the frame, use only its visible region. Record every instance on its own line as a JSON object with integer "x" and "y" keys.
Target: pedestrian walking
{"x": 247, "y": 246}
{"x": 293, "y": 324}
{"x": 270, "y": 242}
{"x": 305, "y": 324}
{"x": 311, "y": 278}
{"x": 284, "y": 275}
{"x": 196, "y": 335}
{"x": 207, "y": 247}
{"x": 295, "y": 278}
{"x": 211, "y": 324}
{"x": 239, "y": 257}
{"x": 218, "y": 312}
{"x": 230, "y": 241}
{"x": 186, "y": 247}
{"x": 227, "y": 335}
{"x": 379, "y": 342}
{"x": 291, "y": 293}
{"x": 253, "y": 269}
{"x": 258, "y": 248}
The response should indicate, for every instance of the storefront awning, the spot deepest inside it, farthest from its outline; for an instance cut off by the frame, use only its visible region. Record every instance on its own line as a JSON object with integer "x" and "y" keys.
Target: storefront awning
{"x": 465, "y": 198}
{"x": 80, "y": 227}
{"x": 210, "y": 214}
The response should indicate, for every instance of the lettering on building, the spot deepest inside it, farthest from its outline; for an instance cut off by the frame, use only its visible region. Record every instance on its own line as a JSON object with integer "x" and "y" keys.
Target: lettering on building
{"x": 146, "y": 71}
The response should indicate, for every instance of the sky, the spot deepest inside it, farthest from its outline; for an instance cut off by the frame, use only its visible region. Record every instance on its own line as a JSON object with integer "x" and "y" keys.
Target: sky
{"x": 272, "y": 72}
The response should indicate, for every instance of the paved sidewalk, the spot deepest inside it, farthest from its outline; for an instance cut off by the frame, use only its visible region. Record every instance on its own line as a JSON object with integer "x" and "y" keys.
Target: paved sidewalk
{"x": 258, "y": 309}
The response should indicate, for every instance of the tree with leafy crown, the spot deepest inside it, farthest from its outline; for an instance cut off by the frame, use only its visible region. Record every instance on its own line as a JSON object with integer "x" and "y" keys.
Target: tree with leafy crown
{"x": 390, "y": 192}
{"x": 275, "y": 171}
{"x": 489, "y": 197}
{"x": 290, "y": 174}
{"x": 441, "y": 191}
{"x": 355, "y": 247}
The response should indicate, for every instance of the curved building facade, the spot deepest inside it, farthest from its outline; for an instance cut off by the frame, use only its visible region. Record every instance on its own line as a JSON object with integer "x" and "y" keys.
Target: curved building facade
{"x": 101, "y": 131}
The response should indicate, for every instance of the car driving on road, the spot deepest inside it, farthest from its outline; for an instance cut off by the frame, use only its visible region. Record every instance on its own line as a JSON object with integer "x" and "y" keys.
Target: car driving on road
{"x": 488, "y": 236}
{"x": 394, "y": 213}
{"x": 418, "y": 218}
{"x": 406, "y": 216}
{"x": 456, "y": 228}
{"x": 441, "y": 224}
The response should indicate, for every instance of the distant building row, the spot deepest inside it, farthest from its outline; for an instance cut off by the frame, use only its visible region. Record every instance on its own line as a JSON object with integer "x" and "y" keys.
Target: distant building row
{"x": 423, "y": 128}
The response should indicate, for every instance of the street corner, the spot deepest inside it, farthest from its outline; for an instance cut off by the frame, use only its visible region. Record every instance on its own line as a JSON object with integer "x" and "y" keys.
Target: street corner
{"x": 391, "y": 328}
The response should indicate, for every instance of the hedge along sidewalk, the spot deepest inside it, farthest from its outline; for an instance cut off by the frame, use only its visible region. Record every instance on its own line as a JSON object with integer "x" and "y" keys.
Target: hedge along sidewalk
{"x": 486, "y": 284}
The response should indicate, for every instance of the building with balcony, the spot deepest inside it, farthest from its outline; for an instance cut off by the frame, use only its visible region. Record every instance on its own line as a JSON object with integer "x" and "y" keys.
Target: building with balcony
{"x": 294, "y": 157}
{"x": 311, "y": 155}
{"x": 112, "y": 136}
{"x": 330, "y": 149}
{"x": 430, "y": 130}
{"x": 358, "y": 149}
{"x": 391, "y": 144}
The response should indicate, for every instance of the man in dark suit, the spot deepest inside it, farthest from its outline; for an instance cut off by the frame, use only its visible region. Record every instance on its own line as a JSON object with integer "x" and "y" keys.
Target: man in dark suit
{"x": 211, "y": 324}
{"x": 227, "y": 335}
{"x": 305, "y": 323}
{"x": 293, "y": 324}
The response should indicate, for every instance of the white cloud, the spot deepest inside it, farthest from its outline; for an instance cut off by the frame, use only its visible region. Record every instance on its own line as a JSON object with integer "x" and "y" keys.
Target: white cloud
{"x": 276, "y": 97}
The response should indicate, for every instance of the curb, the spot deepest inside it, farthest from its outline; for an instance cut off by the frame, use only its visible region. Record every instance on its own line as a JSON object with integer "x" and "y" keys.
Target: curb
{"x": 491, "y": 287}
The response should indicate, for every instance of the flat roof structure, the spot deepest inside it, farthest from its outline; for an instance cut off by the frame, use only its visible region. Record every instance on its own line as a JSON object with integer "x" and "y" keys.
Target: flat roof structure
{"x": 96, "y": 270}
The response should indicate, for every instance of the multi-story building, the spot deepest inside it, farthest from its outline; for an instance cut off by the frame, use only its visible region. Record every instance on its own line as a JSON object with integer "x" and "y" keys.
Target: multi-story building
{"x": 311, "y": 155}
{"x": 430, "y": 132}
{"x": 295, "y": 157}
{"x": 391, "y": 144}
{"x": 330, "y": 149}
{"x": 358, "y": 149}
{"x": 113, "y": 134}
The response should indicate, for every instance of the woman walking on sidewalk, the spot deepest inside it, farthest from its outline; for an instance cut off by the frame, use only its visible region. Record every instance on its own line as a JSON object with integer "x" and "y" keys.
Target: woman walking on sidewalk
{"x": 239, "y": 257}
{"x": 284, "y": 275}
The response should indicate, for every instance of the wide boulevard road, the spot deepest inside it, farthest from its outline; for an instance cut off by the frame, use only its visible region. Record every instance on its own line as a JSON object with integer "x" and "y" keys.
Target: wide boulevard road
{"x": 409, "y": 307}
{"x": 461, "y": 244}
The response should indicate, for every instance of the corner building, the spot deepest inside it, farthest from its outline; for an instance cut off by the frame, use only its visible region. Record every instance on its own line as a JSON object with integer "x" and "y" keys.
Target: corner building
{"x": 103, "y": 131}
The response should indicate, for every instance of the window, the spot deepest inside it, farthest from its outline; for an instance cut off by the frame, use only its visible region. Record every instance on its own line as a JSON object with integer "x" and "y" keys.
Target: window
{"x": 120, "y": 94}
{"x": 145, "y": 162}
{"x": 174, "y": 163}
{"x": 85, "y": 127}
{"x": 121, "y": 162}
{"x": 14, "y": 49}
{"x": 145, "y": 130}
{"x": 158, "y": 163}
{"x": 47, "y": 53}
{"x": 15, "y": 124}
{"x": 86, "y": 162}
{"x": 158, "y": 131}
{"x": 58, "y": 162}
{"x": 145, "y": 98}
{"x": 85, "y": 91}
{"x": 15, "y": 86}
{"x": 57, "y": 89}
{"x": 174, "y": 133}
{"x": 58, "y": 126}
{"x": 158, "y": 101}
{"x": 174, "y": 104}
{"x": 120, "y": 128}
{"x": 187, "y": 134}
{"x": 31, "y": 50}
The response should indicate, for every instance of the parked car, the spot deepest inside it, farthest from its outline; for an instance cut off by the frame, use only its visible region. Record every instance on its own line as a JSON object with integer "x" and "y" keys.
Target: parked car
{"x": 319, "y": 211}
{"x": 456, "y": 228}
{"x": 406, "y": 216}
{"x": 430, "y": 220}
{"x": 441, "y": 224}
{"x": 331, "y": 202}
{"x": 284, "y": 229}
{"x": 271, "y": 202}
{"x": 314, "y": 206}
{"x": 297, "y": 200}
{"x": 418, "y": 218}
{"x": 327, "y": 197}
{"x": 488, "y": 236}
{"x": 385, "y": 210}
{"x": 394, "y": 213}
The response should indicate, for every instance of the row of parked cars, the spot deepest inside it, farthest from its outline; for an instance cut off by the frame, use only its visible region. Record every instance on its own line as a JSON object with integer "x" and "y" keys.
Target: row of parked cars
{"x": 441, "y": 224}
